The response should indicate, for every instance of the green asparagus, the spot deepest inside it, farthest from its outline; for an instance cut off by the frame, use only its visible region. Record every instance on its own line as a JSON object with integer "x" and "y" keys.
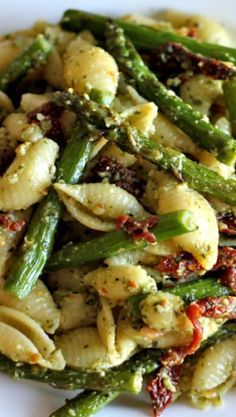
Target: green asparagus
{"x": 227, "y": 241}
{"x": 192, "y": 122}
{"x": 126, "y": 377}
{"x": 189, "y": 292}
{"x": 144, "y": 38}
{"x": 85, "y": 404}
{"x": 130, "y": 139}
{"x": 229, "y": 88}
{"x": 201, "y": 288}
{"x": 32, "y": 57}
{"x": 169, "y": 225}
{"x": 39, "y": 237}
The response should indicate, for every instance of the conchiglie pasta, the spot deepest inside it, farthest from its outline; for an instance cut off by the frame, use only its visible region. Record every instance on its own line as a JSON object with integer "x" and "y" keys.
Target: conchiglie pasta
{"x": 118, "y": 283}
{"x": 132, "y": 257}
{"x": 164, "y": 312}
{"x": 19, "y": 129}
{"x": 88, "y": 67}
{"x": 106, "y": 326}
{"x": 26, "y": 180}
{"x": 141, "y": 117}
{"x": 206, "y": 29}
{"x": 69, "y": 278}
{"x": 9, "y": 241}
{"x": 30, "y": 101}
{"x": 5, "y": 102}
{"x": 209, "y": 159}
{"x": 201, "y": 92}
{"x": 10, "y": 49}
{"x": 53, "y": 70}
{"x": 203, "y": 242}
{"x": 98, "y": 205}
{"x": 113, "y": 151}
{"x": 33, "y": 341}
{"x": 214, "y": 373}
{"x": 38, "y": 305}
{"x": 170, "y": 135}
{"x": 83, "y": 348}
{"x": 78, "y": 309}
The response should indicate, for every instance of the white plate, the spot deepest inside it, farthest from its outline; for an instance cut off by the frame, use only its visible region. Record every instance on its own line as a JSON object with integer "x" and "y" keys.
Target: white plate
{"x": 18, "y": 399}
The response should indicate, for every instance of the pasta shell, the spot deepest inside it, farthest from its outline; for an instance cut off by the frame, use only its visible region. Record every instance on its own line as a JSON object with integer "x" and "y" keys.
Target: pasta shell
{"x": 82, "y": 348}
{"x": 38, "y": 305}
{"x": 164, "y": 312}
{"x": 203, "y": 242}
{"x": 9, "y": 241}
{"x": 98, "y": 205}
{"x": 28, "y": 177}
{"x": 88, "y": 67}
{"x": 69, "y": 278}
{"x": 214, "y": 373}
{"x": 106, "y": 326}
{"x": 118, "y": 283}
{"x": 141, "y": 117}
{"x": 31, "y": 337}
{"x": 78, "y": 310}
{"x": 17, "y": 346}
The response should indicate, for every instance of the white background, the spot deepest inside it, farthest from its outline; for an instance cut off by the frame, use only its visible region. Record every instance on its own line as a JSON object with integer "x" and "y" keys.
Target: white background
{"x": 28, "y": 399}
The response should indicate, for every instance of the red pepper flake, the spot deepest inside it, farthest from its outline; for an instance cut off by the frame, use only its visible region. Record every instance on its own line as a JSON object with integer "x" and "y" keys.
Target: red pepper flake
{"x": 132, "y": 284}
{"x": 8, "y": 223}
{"x": 192, "y": 32}
{"x": 119, "y": 175}
{"x": 51, "y": 113}
{"x": 104, "y": 290}
{"x": 159, "y": 388}
{"x": 181, "y": 266}
{"x": 138, "y": 230}
{"x": 227, "y": 224}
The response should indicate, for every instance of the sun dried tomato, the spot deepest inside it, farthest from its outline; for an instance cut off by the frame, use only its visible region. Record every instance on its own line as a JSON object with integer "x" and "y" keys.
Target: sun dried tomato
{"x": 138, "y": 230}
{"x": 119, "y": 175}
{"x": 226, "y": 258}
{"x": 181, "y": 266}
{"x": 227, "y": 224}
{"x": 8, "y": 223}
{"x": 172, "y": 59}
{"x": 49, "y": 112}
{"x": 228, "y": 277}
{"x": 159, "y": 388}
{"x": 211, "y": 307}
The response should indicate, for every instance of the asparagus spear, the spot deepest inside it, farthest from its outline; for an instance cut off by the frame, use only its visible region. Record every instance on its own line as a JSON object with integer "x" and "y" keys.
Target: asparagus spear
{"x": 126, "y": 377}
{"x": 227, "y": 241}
{"x": 229, "y": 88}
{"x": 39, "y": 237}
{"x": 144, "y": 38}
{"x": 201, "y": 288}
{"x": 86, "y": 404}
{"x": 33, "y": 56}
{"x": 130, "y": 139}
{"x": 169, "y": 225}
{"x": 180, "y": 113}
{"x": 188, "y": 291}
